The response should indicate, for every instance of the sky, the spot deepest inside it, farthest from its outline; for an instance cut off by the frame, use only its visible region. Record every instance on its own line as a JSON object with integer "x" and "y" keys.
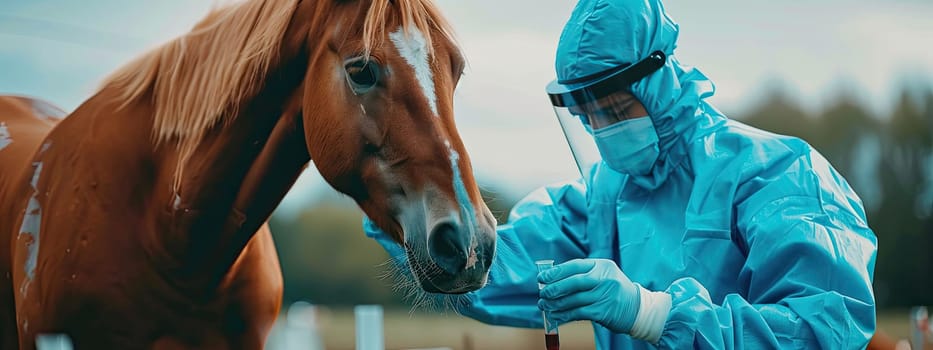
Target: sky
{"x": 60, "y": 50}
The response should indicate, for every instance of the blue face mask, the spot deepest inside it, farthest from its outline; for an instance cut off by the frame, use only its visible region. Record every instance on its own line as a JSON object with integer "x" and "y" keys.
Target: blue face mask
{"x": 629, "y": 146}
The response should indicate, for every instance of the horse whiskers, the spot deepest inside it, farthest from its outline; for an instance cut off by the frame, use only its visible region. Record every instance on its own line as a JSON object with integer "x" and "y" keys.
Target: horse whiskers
{"x": 390, "y": 270}
{"x": 404, "y": 274}
{"x": 397, "y": 274}
{"x": 429, "y": 271}
{"x": 406, "y": 283}
{"x": 437, "y": 303}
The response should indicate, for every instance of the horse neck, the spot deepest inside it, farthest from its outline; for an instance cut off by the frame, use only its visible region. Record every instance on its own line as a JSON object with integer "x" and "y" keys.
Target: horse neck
{"x": 235, "y": 178}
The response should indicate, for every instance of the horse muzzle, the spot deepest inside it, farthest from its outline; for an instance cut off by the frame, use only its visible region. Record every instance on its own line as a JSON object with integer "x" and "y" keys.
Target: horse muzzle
{"x": 448, "y": 252}
{"x": 461, "y": 255}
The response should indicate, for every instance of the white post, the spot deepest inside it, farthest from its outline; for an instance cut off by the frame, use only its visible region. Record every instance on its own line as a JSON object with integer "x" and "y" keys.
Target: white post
{"x": 919, "y": 325}
{"x": 301, "y": 329}
{"x": 369, "y": 327}
{"x": 53, "y": 342}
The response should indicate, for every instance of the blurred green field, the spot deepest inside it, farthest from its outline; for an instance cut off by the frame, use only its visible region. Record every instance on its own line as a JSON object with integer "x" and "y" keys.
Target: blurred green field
{"x": 424, "y": 331}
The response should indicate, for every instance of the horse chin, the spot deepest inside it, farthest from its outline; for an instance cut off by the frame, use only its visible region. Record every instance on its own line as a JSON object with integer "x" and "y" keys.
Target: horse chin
{"x": 444, "y": 283}
{"x": 448, "y": 252}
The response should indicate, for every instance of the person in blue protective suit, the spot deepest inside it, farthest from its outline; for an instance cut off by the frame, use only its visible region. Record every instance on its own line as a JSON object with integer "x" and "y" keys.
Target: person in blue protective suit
{"x": 686, "y": 229}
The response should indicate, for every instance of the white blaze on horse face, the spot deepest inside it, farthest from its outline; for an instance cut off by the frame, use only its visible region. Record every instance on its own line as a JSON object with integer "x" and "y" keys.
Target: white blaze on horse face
{"x": 5, "y": 139}
{"x": 467, "y": 213}
{"x": 413, "y": 48}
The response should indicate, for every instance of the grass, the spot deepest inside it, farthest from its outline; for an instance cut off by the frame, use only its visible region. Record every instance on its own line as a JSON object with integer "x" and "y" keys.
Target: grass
{"x": 404, "y": 330}
{"x": 896, "y": 323}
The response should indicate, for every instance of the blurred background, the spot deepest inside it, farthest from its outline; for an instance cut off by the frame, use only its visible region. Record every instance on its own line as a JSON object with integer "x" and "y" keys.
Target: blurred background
{"x": 851, "y": 77}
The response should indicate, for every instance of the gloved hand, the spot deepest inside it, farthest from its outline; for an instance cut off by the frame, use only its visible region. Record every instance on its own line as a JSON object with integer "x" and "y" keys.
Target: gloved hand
{"x": 590, "y": 289}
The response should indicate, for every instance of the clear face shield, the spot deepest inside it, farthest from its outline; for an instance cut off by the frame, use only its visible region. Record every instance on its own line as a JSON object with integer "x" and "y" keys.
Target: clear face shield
{"x": 595, "y": 102}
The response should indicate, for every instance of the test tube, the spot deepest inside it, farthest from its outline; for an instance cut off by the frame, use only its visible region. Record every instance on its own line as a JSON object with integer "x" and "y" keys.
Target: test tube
{"x": 551, "y": 337}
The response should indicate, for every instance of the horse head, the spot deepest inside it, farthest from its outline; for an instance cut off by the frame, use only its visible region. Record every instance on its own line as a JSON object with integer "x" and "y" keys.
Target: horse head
{"x": 367, "y": 84}
{"x": 380, "y": 127}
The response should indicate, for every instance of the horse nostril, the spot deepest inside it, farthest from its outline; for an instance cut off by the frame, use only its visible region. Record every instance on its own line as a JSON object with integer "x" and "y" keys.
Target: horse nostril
{"x": 447, "y": 247}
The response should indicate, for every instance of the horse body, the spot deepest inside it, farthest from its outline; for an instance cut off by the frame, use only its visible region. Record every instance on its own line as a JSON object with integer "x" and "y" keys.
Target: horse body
{"x": 139, "y": 221}
{"x": 104, "y": 267}
{"x": 24, "y": 122}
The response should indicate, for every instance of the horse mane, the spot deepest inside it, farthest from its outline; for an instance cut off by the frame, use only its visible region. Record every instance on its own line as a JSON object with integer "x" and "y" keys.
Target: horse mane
{"x": 196, "y": 79}
{"x": 421, "y": 14}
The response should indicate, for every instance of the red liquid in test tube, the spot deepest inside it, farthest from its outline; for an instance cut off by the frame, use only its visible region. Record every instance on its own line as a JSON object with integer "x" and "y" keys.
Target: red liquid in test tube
{"x": 552, "y": 341}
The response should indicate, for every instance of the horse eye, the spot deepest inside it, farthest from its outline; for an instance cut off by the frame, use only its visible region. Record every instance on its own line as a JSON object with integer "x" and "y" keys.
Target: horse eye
{"x": 362, "y": 75}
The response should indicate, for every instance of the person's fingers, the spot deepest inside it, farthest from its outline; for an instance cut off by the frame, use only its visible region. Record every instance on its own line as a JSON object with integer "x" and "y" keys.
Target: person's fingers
{"x": 564, "y": 270}
{"x": 567, "y": 286}
{"x": 590, "y": 312}
{"x": 570, "y": 315}
{"x": 572, "y": 301}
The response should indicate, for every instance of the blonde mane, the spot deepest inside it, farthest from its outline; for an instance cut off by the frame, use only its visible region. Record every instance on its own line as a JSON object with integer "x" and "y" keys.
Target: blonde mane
{"x": 420, "y": 14}
{"x": 196, "y": 79}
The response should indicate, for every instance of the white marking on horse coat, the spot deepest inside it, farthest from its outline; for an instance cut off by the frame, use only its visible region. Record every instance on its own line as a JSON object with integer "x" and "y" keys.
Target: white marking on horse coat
{"x": 177, "y": 203}
{"x": 35, "y": 176}
{"x": 413, "y": 49}
{"x": 31, "y": 224}
{"x": 5, "y": 139}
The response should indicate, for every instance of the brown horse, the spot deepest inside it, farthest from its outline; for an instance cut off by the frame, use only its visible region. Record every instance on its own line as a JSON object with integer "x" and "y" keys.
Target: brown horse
{"x": 138, "y": 221}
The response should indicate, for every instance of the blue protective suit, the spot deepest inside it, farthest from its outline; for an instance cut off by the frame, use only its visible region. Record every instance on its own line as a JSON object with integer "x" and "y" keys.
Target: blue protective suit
{"x": 760, "y": 242}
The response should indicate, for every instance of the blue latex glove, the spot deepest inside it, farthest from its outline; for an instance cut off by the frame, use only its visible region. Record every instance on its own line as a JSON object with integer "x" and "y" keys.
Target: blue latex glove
{"x": 590, "y": 289}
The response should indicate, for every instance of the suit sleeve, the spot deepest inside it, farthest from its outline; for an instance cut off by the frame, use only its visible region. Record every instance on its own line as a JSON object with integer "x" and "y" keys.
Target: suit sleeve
{"x": 808, "y": 273}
